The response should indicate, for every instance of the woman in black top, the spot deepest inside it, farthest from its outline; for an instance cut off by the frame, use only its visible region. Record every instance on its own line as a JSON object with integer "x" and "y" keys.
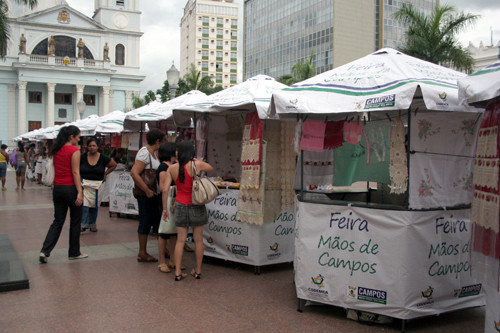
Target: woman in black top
{"x": 93, "y": 167}
{"x": 167, "y": 157}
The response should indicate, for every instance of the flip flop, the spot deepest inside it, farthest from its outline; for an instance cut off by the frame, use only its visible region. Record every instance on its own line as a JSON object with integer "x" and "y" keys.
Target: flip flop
{"x": 172, "y": 265}
{"x": 161, "y": 266}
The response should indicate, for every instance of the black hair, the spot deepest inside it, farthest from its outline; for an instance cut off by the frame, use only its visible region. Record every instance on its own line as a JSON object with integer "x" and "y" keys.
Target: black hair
{"x": 20, "y": 145}
{"x": 4, "y": 146}
{"x": 185, "y": 153}
{"x": 153, "y": 135}
{"x": 63, "y": 137}
{"x": 93, "y": 139}
{"x": 167, "y": 151}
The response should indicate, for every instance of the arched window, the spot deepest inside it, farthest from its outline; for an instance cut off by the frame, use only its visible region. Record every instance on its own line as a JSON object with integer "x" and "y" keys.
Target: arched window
{"x": 120, "y": 54}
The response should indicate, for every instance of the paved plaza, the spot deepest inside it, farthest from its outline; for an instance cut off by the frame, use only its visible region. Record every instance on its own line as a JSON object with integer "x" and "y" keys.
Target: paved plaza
{"x": 111, "y": 292}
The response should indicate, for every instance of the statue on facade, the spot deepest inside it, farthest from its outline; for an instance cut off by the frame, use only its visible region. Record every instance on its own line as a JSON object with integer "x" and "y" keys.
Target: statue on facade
{"x": 80, "y": 46}
{"x": 52, "y": 46}
{"x": 105, "y": 56}
{"x": 22, "y": 44}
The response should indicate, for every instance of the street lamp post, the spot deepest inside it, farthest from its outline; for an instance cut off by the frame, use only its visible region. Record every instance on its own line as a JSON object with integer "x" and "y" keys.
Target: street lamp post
{"x": 80, "y": 105}
{"x": 173, "y": 80}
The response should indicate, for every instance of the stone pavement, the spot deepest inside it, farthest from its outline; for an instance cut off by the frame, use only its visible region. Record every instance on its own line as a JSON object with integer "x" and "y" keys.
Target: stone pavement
{"x": 111, "y": 292}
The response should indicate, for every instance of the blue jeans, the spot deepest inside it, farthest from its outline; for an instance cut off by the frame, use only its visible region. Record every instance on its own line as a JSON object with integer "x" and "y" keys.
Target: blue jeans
{"x": 89, "y": 217}
{"x": 64, "y": 197}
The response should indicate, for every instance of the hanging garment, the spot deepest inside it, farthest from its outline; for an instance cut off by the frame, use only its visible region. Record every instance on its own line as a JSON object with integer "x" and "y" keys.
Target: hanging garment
{"x": 251, "y": 151}
{"x": 333, "y": 134}
{"x": 377, "y": 137}
{"x": 313, "y": 135}
{"x": 201, "y": 138}
{"x": 297, "y": 136}
{"x": 318, "y": 170}
{"x": 398, "y": 166}
{"x": 352, "y": 131}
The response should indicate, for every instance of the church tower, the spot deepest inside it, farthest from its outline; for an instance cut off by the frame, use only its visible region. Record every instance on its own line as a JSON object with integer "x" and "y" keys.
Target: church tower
{"x": 118, "y": 14}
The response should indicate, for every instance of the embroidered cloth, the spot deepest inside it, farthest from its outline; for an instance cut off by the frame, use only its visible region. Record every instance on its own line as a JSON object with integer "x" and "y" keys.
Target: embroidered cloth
{"x": 313, "y": 135}
{"x": 251, "y": 151}
{"x": 333, "y": 134}
{"x": 399, "y": 167}
{"x": 377, "y": 137}
{"x": 352, "y": 132}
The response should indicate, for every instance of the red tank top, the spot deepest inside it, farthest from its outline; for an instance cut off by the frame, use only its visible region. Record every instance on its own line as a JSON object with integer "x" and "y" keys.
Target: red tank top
{"x": 184, "y": 190}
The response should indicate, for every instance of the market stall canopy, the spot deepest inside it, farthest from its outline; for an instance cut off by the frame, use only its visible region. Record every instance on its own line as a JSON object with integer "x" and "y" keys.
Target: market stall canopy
{"x": 156, "y": 111}
{"x": 252, "y": 95}
{"x": 481, "y": 86}
{"x": 111, "y": 123}
{"x": 87, "y": 125}
{"x": 382, "y": 81}
{"x": 31, "y": 135}
{"x": 49, "y": 132}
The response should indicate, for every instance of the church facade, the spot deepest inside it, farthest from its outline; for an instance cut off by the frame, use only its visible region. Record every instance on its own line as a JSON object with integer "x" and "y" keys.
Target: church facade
{"x": 61, "y": 65}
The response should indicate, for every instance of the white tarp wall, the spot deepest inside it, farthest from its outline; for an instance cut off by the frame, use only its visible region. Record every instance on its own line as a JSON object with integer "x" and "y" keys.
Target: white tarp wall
{"x": 403, "y": 264}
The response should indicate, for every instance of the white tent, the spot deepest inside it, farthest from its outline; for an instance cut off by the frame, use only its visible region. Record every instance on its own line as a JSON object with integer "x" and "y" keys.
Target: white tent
{"x": 252, "y": 95}
{"x": 480, "y": 86}
{"x": 156, "y": 111}
{"x": 49, "y": 132}
{"x": 111, "y": 123}
{"x": 382, "y": 81}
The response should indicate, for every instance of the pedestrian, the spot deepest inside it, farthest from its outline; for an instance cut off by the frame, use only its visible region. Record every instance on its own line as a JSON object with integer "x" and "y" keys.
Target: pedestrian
{"x": 186, "y": 214}
{"x": 4, "y": 157}
{"x": 147, "y": 196}
{"x": 93, "y": 166}
{"x": 66, "y": 194}
{"x": 22, "y": 158}
{"x": 40, "y": 164}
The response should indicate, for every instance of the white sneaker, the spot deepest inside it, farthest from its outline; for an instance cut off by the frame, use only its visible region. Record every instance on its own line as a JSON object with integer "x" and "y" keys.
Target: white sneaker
{"x": 81, "y": 256}
{"x": 42, "y": 258}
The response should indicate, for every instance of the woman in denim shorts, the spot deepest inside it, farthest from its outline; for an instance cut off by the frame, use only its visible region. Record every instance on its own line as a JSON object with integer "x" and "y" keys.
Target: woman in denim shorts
{"x": 186, "y": 214}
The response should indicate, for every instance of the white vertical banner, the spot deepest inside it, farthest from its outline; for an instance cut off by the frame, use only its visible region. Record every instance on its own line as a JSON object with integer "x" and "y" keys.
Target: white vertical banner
{"x": 397, "y": 263}
{"x": 226, "y": 238}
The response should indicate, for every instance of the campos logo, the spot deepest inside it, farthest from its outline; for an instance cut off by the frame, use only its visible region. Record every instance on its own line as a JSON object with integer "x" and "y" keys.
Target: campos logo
{"x": 379, "y": 102}
{"x": 443, "y": 96}
{"x": 466, "y": 291}
{"x": 372, "y": 295}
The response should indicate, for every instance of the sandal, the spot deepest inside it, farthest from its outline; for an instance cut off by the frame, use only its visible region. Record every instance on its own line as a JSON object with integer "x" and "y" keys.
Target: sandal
{"x": 161, "y": 268}
{"x": 147, "y": 258}
{"x": 195, "y": 275}
{"x": 180, "y": 276}
{"x": 172, "y": 265}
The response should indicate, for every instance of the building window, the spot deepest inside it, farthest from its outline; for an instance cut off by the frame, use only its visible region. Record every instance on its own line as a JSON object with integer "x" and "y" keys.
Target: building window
{"x": 60, "y": 98}
{"x": 120, "y": 3}
{"x": 234, "y": 23}
{"x": 34, "y": 125}
{"x": 120, "y": 54}
{"x": 89, "y": 99}
{"x": 35, "y": 97}
{"x": 62, "y": 113}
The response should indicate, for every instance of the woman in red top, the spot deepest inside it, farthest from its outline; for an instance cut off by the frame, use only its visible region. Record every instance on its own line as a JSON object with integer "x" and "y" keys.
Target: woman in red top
{"x": 186, "y": 214}
{"x": 67, "y": 193}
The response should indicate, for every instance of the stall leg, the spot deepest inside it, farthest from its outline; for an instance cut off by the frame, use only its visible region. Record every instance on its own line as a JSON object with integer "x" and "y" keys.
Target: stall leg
{"x": 300, "y": 305}
{"x": 403, "y": 326}
{"x": 256, "y": 270}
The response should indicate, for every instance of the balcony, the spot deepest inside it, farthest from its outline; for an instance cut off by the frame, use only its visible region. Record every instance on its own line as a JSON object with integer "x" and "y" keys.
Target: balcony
{"x": 34, "y": 59}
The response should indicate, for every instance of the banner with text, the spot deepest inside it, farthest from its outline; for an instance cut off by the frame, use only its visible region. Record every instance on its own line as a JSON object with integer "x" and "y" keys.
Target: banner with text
{"x": 121, "y": 198}
{"x": 226, "y": 238}
{"x": 404, "y": 264}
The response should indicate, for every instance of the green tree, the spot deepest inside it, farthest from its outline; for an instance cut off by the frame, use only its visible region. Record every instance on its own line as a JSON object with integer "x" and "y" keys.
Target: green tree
{"x": 300, "y": 71}
{"x": 433, "y": 37}
{"x": 192, "y": 80}
{"x": 137, "y": 102}
{"x": 4, "y": 25}
{"x": 164, "y": 92}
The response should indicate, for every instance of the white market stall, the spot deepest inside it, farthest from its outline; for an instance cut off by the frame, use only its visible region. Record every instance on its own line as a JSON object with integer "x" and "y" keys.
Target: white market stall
{"x": 252, "y": 221}
{"x": 482, "y": 89}
{"x": 399, "y": 245}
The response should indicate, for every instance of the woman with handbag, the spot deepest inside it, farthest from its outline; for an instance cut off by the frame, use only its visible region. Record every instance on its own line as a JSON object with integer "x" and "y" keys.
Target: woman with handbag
{"x": 145, "y": 191}
{"x": 93, "y": 171}
{"x": 66, "y": 194}
{"x": 186, "y": 214}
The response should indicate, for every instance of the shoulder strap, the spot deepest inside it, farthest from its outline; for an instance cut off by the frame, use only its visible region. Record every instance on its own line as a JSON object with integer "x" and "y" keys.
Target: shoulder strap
{"x": 194, "y": 172}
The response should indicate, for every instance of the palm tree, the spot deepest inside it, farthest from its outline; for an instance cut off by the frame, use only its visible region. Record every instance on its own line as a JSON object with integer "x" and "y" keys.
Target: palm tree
{"x": 192, "y": 80}
{"x": 300, "y": 71}
{"x": 433, "y": 37}
{"x": 4, "y": 26}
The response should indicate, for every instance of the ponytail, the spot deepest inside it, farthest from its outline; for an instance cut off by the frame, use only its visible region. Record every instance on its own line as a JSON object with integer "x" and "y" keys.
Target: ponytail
{"x": 63, "y": 137}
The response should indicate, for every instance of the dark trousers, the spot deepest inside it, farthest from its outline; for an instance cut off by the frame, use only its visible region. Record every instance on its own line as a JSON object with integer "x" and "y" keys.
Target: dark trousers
{"x": 64, "y": 197}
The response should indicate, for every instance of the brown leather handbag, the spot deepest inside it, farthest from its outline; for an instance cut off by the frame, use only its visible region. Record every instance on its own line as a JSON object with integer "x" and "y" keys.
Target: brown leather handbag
{"x": 149, "y": 178}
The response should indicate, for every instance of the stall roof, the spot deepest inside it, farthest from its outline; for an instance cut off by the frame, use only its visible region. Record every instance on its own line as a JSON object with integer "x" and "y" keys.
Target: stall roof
{"x": 480, "y": 86}
{"x": 156, "y": 111}
{"x": 111, "y": 123}
{"x": 382, "y": 81}
{"x": 252, "y": 95}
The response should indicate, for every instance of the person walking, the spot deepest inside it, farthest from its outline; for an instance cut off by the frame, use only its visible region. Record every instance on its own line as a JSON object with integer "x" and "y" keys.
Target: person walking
{"x": 186, "y": 214}
{"x": 93, "y": 166}
{"x": 40, "y": 164}
{"x": 4, "y": 157}
{"x": 66, "y": 194}
{"x": 22, "y": 158}
{"x": 147, "y": 196}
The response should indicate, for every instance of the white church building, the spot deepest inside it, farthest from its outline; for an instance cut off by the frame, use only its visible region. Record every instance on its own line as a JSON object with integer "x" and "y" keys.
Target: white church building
{"x": 57, "y": 57}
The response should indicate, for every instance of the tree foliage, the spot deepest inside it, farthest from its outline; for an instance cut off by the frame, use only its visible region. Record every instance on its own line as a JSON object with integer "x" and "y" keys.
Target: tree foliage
{"x": 300, "y": 71}
{"x": 164, "y": 92}
{"x": 193, "y": 80}
{"x": 433, "y": 37}
{"x": 148, "y": 98}
{"x": 4, "y": 26}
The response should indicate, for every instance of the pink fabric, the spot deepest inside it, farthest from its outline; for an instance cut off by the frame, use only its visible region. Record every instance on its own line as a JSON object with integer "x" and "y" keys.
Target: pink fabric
{"x": 313, "y": 136}
{"x": 352, "y": 132}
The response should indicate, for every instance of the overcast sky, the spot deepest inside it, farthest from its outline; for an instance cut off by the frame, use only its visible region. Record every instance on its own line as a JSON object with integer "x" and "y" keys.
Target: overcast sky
{"x": 160, "y": 44}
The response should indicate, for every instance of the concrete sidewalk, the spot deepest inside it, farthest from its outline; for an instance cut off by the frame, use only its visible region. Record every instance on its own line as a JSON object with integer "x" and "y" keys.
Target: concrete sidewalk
{"x": 111, "y": 292}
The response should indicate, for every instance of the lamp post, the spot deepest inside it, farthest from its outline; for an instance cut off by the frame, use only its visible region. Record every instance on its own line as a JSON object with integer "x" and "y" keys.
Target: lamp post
{"x": 173, "y": 80}
{"x": 80, "y": 105}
